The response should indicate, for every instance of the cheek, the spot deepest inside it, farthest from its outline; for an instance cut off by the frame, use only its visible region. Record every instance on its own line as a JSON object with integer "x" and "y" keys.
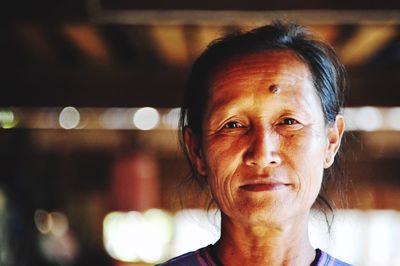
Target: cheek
{"x": 223, "y": 158}
{"x": 306, "y": 146}
{"x": 223, "y": 155}
{"x": 304, "y": 155}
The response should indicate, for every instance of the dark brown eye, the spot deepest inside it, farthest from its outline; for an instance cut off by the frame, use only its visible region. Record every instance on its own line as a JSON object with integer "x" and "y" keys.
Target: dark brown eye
{"x": 289, "y": 121}
{"x": 233, "y": 125}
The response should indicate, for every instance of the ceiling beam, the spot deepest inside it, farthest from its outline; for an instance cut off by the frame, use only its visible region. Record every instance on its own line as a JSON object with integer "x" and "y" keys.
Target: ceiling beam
{"x": 89, "y": 42}
{"x": 328, "y": 33}
{"x": 238, "y": 17}
{"x": 365, "y": 43}
{"x": 246, "y": 5}
{"x": 80, "y": 10}
{"x": 36, "y": 41}
{"x": 170, "y": 43}
{"x": 203, "y": 36}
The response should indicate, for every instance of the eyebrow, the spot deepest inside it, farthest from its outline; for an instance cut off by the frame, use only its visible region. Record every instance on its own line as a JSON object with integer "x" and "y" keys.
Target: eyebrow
{"x": 223, "y": 104}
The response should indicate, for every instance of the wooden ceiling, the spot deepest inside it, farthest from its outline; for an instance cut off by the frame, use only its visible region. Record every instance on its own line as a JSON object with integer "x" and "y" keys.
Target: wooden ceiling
{"x": 124, "y": 53}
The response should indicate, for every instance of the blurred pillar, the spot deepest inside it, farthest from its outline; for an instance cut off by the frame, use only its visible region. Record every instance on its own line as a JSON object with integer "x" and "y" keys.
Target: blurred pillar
{"x": 135, "y": 184}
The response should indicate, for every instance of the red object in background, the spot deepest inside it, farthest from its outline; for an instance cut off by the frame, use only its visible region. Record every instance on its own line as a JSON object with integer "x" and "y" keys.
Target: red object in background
{"x": 135, "y": 184}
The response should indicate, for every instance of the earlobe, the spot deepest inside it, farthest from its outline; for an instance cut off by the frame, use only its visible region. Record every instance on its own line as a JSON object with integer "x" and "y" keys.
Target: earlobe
{"x": 195, "y": 153}
{"x": 334, "y": 134}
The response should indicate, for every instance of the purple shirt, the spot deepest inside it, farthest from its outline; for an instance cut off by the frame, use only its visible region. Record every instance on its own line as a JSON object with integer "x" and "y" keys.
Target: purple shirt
{"x": 204, "y": 257}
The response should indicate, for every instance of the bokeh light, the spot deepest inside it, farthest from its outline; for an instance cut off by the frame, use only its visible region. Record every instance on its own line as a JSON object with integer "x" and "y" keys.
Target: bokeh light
{"x": 381, "y": 230}
{"x": 171, "y": 119}
{"x": 133, "y": 236}
{"x": 146, "y": 118}
{"x": 7, "y": 119}
{"x": 159, "y": 234}
{"x": 393, "y": 118}
{"x": 116, "y": 118}
{"x": 350, "y": 117}
{"x": 59, "y": 223}
{"x": 3, "y": 200}
{"x": 121, "y": 234}
{"x": 346, "y": 236}
{"x": 194, "y": 229}
{"x": 51, "y": 222}
{"x": 368, "y": 119}
{"x": 43, "y": 221}
{"x": 69, "y": 118}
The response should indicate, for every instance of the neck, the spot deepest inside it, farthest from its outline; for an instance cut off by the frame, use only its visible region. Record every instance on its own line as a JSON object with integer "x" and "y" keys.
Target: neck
{"x": 274, "y": 244}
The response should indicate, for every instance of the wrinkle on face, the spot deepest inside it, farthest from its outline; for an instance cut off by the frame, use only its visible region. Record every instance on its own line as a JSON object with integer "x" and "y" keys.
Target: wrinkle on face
{"x": 239, "y": 91}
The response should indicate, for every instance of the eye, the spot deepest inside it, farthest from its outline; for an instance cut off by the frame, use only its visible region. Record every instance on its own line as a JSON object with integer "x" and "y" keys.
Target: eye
{"x": 233, "y": 125}
{"x": 289, "y": 121}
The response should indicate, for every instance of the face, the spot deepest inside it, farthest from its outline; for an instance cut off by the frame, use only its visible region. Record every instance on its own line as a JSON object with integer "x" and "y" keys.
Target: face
{"x": 264, "y": 150}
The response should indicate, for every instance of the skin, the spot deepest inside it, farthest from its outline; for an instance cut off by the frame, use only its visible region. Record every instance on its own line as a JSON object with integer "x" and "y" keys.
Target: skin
{"x": 264, "y": 154}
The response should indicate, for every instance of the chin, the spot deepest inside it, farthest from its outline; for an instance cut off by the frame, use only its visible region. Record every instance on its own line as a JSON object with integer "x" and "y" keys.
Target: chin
{"x": 262, "y": 217}
{"x": 271, "y": 215}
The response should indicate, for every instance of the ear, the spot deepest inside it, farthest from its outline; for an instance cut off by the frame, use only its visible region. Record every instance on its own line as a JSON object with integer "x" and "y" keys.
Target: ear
{"x": 192, "y": 143}
{"x": 334, "y": 134}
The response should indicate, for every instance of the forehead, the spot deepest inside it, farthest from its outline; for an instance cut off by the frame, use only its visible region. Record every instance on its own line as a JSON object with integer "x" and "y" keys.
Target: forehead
{"x": 271, "y": 65}
{"x": 253, "y": 74}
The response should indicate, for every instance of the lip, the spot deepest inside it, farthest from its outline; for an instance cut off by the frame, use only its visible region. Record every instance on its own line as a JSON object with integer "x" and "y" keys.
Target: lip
{"x": 267, "y": 186}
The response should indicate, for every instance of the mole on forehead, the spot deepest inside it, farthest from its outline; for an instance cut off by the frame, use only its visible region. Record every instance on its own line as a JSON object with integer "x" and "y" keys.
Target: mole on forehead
{"x": 275, "y": 89}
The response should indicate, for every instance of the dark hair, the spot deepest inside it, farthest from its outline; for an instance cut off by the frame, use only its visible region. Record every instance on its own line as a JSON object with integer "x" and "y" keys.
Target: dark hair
{"x": 327, "y": 71}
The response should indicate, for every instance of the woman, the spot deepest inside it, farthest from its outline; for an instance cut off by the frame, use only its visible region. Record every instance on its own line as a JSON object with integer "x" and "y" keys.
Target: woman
{"x": 261, "y": 125}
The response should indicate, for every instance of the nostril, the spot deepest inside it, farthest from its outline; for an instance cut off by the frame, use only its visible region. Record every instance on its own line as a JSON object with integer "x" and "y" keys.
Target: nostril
{"x": 264, "y": 160}
{"x": 263, "y": 149}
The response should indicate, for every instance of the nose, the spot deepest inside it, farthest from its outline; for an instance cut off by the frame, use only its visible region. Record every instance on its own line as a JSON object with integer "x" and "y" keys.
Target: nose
{"x": 263, "y": 151}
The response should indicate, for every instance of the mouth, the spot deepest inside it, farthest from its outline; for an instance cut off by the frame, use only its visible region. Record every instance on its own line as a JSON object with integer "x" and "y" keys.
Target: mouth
{"x": 257, "y": 187}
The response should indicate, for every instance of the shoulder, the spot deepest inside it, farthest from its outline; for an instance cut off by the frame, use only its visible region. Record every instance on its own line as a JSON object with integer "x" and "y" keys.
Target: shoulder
{"x": 326, "y": 259}
{"x": 194, "y": 258}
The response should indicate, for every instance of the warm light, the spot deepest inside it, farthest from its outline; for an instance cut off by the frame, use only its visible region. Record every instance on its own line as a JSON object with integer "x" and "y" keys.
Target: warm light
{"x": 382, "y": 245}
{"x": 116, "y": 118}
{"x": 59, "y": 224}
{"x": 171, "y": 119}
{"x": 3, "y": 200}
{"x": 350, "y": 117}
{"x": 120, "y": 235}
{"x": 7, "y": 119}
{"x": 158, "y": 235}
{"x": 133, "y": 236}
{"x": 318, "y": 231}
{"x": 195, "y": 229}
{"x": 54, "y": 222}
{"x": 69, "y": 118}
{"x": 368, "y": 119}
{"x": 43, "y": 221}
{"x": 347, "y": 236}
{"x": 393, "y": 118}
{"x": 146, "y": 118}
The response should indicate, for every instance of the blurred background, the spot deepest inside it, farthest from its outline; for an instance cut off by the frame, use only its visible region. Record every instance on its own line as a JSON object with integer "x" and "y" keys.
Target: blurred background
{"x": 90, "y": 167}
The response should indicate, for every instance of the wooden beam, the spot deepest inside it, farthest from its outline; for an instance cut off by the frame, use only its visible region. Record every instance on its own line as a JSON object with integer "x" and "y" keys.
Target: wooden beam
{"x": 365, "y": 43}
{"x": 203, "y": 36}
{"x": 36, "y": 41}
{"x": 170, "y": 43}
{"x": 327, "y": 33}
{"x": 246, "y": 5}
{"x": 244, "y": 17}
{"x": 86, "y": 38}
